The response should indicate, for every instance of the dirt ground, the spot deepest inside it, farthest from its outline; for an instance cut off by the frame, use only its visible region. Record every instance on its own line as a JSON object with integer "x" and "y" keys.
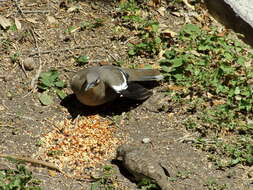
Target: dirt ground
{"x": 23, "y": 120}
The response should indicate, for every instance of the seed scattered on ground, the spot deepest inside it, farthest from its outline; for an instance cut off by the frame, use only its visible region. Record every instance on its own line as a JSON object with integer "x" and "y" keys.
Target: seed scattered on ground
{"x": 79, "y": 147}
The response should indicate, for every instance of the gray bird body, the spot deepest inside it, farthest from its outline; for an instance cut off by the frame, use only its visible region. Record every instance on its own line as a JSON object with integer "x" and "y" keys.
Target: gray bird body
{"x": 98, "y": 85}
{"x": 143, "y": 164}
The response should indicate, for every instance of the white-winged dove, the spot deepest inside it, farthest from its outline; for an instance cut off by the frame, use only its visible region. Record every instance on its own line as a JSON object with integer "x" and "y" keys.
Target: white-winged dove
{"x": 143, "y": 164}
{"x": 95, "y": 86}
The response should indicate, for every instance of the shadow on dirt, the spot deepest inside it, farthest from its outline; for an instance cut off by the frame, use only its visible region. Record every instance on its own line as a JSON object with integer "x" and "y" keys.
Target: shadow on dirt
{"x": 116, "y": 107}
{"x": 123, "y": 171}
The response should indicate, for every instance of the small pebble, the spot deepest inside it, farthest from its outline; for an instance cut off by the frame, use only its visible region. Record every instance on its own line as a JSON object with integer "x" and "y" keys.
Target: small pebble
{"x": 146, "y": 140}
{"x": 29, "y": 64}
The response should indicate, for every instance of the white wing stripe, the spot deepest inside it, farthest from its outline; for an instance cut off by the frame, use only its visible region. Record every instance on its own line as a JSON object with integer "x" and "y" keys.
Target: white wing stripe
{"x": 122, "y": 86}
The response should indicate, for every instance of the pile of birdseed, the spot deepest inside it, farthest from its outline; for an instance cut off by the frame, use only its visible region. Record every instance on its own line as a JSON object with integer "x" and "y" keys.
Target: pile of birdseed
{"x": 81, "y": 145}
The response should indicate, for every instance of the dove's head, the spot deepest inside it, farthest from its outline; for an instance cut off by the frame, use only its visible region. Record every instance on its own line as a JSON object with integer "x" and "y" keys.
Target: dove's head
{"x": 83, "y": 81}
{"x": 122, "y": 150}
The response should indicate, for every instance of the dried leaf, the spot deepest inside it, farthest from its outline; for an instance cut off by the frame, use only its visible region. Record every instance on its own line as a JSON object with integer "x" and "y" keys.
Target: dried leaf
{"x": 176, "y": 87}
{"x": 72, "y": 9}
{"x": 178, "y": 14}
{"x": 32, "y": 20}
{"x": 169, "y": 32}
{"x": 188, "y": 5}
{"x": 4, "y": 22}
{"x": 2, "y": 108}
{"x": 51, "y": 20}
{"x": 218, "y": 102}
{"x": 161, "y": 10}
{"x": 52, "y": 173}
{"x": 18, "y": 24}
{"x": 154, "y": 3}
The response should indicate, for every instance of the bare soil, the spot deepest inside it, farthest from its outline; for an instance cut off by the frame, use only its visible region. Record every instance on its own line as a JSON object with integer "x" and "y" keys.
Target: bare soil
{"x": 23, "y": 120}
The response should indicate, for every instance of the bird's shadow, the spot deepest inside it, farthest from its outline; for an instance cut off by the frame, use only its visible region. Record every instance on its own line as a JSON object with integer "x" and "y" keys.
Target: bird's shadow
{"x": 123, "y": 170}
{"x": 116, "y": 107}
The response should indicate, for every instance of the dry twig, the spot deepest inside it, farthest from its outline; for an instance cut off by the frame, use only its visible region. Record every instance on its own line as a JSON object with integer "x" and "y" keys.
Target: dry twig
{"x": 62, "y": 50}
{"x": 31, "y": 160}
{"x": 35, "y": 78}
{"x": 23, "y": 68}
{"x": 43, "y": 163}
{"x": 188, "y": 4}
{"x": 35, "y": 11}
{"x": 16, "y": 115}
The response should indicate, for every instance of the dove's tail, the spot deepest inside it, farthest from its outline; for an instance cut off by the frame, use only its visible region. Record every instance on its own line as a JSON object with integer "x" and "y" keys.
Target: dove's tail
{"x": 143, "y": 74}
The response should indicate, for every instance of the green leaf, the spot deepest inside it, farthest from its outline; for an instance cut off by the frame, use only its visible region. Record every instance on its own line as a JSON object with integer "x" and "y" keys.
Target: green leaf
{"x": 141, "y": 45}
{"x": 191, "y": 29}
{"x": 241, "y": 60}
{"x": 166, "y": 69}
{"x": 177, "y": 62}
{"x": 170, "y": 54}
{"x": 47, "y": 79}
{"x": 132, "y": 52}
{"x": 59, "y": 84}
{"x": 235, "y": 161}
{"x": 237, "y": 90}
{"x": 179, "y": 76}
{"x": 155, "y": 27}
{"x": 158, "y": 40}
{"x": 45, "y": 99}
{"x": 61, "y": 94}
{"x": 82, "y": 59}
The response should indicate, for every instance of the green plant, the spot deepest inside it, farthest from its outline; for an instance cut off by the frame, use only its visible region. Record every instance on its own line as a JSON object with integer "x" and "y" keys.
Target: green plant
{"x": 211, "y": 184}
{"x": 82, "y": 60}
{"x": 217, "y": 78}
{"x": 19, "y": 178}
{"x": 15, "y": 57}
{"x": 104, "y": 181}
{"x": 147, "y": 185}
{"x": 150, "y": 41}
{"x": 50, "y": 81}
{"x": 91, "y": 25}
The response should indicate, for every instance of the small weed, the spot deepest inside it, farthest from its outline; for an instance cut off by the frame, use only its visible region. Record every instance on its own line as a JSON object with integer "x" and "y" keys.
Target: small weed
{"x": 20, "y": 178}
{"x": 86, "y": 26}
{"x": 15, "y": 57}
{"x": 213, "y": 185}
{"x": 92, "y": 25}
{"x": 50, "y": 81}
{"x": 183, "y": 174}
{"x": 147, "y": 184}
{"x": 105, "y": 181}
{"x": 82, "y": 60}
